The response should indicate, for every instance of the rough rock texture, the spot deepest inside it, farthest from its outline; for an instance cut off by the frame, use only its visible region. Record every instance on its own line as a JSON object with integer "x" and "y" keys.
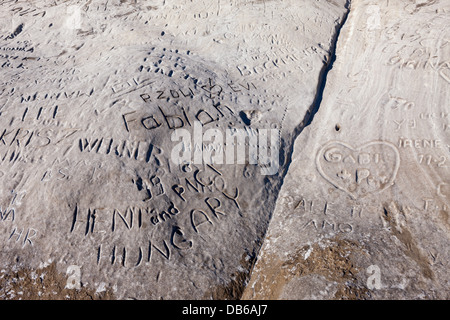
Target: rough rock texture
{"x": 91, "y": 94}
{"x": 97, "y": 96}
{"x": 364, "y": 209}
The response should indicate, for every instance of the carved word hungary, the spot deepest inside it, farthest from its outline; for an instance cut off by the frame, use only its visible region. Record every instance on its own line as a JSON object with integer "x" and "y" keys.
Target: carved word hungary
{"x": 359, "y": 171}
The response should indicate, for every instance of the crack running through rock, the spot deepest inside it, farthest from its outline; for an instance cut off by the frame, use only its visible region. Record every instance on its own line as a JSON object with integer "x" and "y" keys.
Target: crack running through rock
{"x": 307, "y": 120}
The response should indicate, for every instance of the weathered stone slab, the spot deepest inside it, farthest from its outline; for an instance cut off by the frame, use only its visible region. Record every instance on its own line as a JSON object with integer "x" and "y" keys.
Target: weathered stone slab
{"x": 91, "y": 95}
{"x": 364, "y": 209}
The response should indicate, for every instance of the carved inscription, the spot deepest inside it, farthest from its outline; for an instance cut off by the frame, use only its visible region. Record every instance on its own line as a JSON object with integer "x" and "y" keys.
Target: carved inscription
{"x": 23, "y": 236}
{"x": 186, "y": 222}
{"x": 359, "y": 171}
{"x": 7, "y": 214}
{"x": 137, "y": 150}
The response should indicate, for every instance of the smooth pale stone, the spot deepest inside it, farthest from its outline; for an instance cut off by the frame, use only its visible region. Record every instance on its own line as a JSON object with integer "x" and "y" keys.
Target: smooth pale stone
{"x": 90, "y": 94}
{"x": 363, "y": 211}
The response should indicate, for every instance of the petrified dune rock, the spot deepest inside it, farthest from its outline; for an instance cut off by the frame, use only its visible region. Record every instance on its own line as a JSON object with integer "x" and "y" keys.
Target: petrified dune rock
{"x": 117, "y": 124}
{"x": 363, "y": 211}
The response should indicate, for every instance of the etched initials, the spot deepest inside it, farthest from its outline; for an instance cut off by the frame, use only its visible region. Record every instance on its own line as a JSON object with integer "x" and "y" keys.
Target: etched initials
{"x": 359, "y": 171}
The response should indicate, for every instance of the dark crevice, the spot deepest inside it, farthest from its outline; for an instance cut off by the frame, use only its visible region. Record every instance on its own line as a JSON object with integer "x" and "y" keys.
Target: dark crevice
{"x": 324, "y": 73}
{"x": 287, "y": 147}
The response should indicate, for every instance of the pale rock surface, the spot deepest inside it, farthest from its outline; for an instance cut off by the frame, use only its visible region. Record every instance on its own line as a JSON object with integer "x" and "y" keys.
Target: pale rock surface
{"x": 91, "y": 92}
{"x": 92, "y": 205}
{"x": 364, "y": 209}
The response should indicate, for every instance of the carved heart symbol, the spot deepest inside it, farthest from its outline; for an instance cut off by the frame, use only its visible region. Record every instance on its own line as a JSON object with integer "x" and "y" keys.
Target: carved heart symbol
{"x": 367, "y": 169}
{"x": 445, "y": 73}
